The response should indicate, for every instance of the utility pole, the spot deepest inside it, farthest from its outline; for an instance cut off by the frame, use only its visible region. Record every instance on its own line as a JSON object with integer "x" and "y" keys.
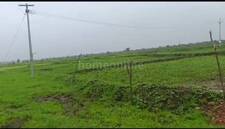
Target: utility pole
{"x": 219, "y": 29}
{"x": 29, "y": 37}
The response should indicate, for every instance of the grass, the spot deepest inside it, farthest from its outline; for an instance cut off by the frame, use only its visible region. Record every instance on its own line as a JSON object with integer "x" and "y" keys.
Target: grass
{"x": 172, "y": 73}
{"x": 18, "y": 91}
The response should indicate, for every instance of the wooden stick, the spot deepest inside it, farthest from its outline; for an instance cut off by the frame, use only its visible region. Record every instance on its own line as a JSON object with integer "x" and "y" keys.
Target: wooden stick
{"x": 218, "y": 64}
{"x": 127, "y": 67}
{"x": 131, "y": 77}
{"x": 130, "y": 74}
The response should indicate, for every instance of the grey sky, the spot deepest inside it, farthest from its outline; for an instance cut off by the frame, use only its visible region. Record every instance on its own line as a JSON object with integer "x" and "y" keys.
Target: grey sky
{"x": 160, "y": 23}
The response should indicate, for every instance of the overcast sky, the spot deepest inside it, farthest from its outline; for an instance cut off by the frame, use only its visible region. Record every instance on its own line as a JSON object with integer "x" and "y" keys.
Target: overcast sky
{"x": 151, "y": 24}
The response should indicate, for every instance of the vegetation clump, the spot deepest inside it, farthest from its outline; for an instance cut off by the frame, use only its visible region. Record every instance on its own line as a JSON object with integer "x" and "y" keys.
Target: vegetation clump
{"x": 96, "y": 90}
{"x": 176, "y": 99}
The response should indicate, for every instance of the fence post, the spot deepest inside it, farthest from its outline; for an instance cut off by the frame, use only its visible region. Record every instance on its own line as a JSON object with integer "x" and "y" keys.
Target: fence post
{"x": 130, "y": 76}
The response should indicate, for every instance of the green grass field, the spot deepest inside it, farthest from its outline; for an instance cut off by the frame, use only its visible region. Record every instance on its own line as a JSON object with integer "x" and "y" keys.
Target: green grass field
{"x": 59, "y": 96}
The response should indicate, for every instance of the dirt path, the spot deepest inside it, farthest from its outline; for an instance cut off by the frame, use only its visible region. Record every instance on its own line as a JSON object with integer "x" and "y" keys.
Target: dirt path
{"x": 12, "y": 67}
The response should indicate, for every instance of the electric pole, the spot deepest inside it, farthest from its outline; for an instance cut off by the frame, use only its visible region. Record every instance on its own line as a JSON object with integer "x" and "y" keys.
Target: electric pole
{"x": 29, "y": 37}
{"x": 219, "y": 29}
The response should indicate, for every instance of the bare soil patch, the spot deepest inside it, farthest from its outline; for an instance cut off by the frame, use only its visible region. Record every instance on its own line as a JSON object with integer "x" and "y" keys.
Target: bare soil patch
{"x": 216, "y": 112}
{"x": 212, "y": 85}
{"x": 15, "y": 123}
{"x": 71, "y": 105}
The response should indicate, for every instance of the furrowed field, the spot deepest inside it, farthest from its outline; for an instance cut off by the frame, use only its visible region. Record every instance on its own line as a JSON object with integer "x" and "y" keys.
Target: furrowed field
{"x": 164, "y": 93}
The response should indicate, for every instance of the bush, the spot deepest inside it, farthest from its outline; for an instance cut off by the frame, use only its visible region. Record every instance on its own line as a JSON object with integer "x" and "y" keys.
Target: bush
{"x": 177, "y": 100}
{"x": 96, "y": 90}
{"x": 122, "y": 94}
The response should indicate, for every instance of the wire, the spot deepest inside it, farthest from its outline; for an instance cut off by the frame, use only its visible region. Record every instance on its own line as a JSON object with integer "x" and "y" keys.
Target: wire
{"x": 94, "y": 22}
{"x": 14, "y": 37}
{"x": 83, "y": 20}
{"x": 22, "y": 11}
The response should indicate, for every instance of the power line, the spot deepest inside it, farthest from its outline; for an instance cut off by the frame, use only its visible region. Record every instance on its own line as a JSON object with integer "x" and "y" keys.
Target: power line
{"x": 96, "y": 22}
{"x": 84, "y": 20}
{"x": 20, "y": 10}
{"x": 14, "y": 37}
